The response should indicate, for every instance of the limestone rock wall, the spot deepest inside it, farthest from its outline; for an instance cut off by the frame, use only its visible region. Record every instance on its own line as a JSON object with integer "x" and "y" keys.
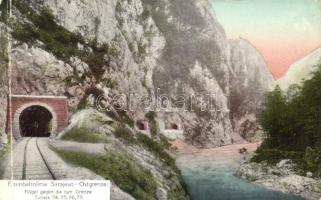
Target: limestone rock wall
{"x": 3, "y": 84}
{"x": 175, "y": 46}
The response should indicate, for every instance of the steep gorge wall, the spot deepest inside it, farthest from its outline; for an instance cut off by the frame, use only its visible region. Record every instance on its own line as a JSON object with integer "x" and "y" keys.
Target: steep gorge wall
{"x": 140, "y": 45}
{"x": 3, "y": 82}
{"x": 250, "y": 79}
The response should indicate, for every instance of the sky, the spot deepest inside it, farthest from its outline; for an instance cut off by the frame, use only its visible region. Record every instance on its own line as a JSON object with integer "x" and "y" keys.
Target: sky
{"x": 284, "y": 31}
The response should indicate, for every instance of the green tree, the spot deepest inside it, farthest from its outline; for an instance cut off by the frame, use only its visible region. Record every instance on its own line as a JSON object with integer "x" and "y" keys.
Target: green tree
{"x": 292, "y": 121}
{"x": 272, "y": 116}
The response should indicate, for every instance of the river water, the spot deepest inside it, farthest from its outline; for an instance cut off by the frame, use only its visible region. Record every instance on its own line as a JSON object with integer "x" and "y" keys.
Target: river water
{"x": 209, "y": 176}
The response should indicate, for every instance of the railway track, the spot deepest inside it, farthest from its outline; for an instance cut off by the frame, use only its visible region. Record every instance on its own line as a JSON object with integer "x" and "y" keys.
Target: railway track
{"x": 24, "y": 160}
{"x": 35, "y": 165}
{"x": 33, "y": 159}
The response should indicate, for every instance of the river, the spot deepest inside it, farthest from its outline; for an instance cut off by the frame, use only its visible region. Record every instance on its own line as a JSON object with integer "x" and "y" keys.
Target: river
{"x": 209, "y": 176}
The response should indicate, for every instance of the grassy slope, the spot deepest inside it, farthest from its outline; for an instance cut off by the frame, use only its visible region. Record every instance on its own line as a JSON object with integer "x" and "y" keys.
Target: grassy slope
{"x": 125, "y": 173}
{"x": 5, "y": 150}
{"x": 84, "y": 135}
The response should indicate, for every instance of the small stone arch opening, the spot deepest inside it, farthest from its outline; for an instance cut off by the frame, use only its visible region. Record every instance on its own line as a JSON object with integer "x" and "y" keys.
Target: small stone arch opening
{"x": 142, "y": 125}
{"x": 35, "y": 121}
{"x": 174, "y": 126}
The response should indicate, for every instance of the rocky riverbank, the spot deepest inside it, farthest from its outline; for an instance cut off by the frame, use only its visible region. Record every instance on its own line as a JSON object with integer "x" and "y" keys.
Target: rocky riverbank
{"x": 281, "y": 177}
{"x": 209, "y": 174}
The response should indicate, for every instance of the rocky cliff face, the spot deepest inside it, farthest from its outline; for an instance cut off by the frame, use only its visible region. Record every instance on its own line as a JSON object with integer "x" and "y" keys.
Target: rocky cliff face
{"x": 3, "y": 84}
{"x": 86, "y": 48}
{"x": 250, "y": 79}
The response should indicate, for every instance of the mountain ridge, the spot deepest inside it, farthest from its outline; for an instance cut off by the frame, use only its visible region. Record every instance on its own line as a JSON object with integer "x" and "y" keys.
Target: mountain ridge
{"x": 301, "y": 70}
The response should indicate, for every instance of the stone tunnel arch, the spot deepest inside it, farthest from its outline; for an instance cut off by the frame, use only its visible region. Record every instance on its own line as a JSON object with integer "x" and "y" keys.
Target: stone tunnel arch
{"x": 173, "y": 126}
{"x": 17, "y": 129}
{"x": 55, "y": 107}
{"x": 142, "y": 125}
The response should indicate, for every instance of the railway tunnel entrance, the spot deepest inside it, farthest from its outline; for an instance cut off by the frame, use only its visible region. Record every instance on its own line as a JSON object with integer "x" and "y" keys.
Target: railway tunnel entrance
{"x": 36, "y": 116}
{"x": 35, "y": 121}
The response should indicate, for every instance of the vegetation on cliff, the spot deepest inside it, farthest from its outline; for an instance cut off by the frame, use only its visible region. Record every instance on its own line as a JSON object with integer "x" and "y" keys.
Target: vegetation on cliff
{"x": 83, "y": 135}
{"x": 292, "y": 123}
{"x": 127, "y": 174}
{"x": 136, "y": 163}
{"x": 5, "y": 149}
{"x": 38, "y": 27}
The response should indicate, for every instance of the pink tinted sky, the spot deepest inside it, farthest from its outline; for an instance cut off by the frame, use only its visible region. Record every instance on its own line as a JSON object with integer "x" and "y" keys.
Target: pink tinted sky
{"x": 279, "y": 55}
{"x": 284, "y": 31}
